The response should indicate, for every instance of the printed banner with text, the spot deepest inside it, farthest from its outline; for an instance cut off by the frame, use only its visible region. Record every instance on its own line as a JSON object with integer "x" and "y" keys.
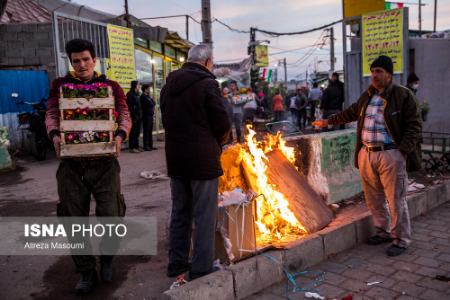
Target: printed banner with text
{"x": 382, "y": 34}
{"x": 121, "y": 55}
{"x": 262, "y": 56}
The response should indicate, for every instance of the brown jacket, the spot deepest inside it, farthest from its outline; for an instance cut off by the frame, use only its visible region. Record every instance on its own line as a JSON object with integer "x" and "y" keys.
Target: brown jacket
{"x": 402, "y": 120}
{"x": 52, "y": 116}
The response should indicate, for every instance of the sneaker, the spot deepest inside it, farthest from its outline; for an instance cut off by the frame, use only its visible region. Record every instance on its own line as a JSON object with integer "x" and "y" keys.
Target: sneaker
{"x": 87, "y": 282}
{"x": 175, "y": 269}
{"x": 135, "y": 151}
{"x": 106, "y": 271}
{"x": 395, "y": 250}
{"x": 377, "y": 240}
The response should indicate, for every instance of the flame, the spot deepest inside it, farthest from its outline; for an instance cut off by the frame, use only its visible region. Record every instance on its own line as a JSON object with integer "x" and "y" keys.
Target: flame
{"x": 274, "y": 219}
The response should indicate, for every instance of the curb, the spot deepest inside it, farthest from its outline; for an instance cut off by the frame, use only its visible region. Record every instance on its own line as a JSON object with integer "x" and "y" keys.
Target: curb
{"x": 258, "y": 272}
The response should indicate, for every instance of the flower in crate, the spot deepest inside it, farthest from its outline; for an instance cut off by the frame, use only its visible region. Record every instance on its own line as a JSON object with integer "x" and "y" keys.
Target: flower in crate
{"x": 103, "y": 136}
{"x": 70, "y": 90}
{"x": 68, "y": 114}
{"x": 89, "y": 136}
{"x": 101, "y": 89}
{"x": 70, "y": 138}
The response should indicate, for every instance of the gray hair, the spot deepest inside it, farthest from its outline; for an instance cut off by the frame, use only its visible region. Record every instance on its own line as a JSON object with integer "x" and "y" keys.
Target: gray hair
{"x": 199, "y": 53}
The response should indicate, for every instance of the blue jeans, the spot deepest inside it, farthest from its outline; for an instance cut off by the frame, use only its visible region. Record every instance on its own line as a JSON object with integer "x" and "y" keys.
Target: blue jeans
{"x": 193, "y": 200}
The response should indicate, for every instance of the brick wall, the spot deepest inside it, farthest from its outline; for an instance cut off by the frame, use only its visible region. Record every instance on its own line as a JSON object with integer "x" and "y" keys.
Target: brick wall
{"x": 27, "y": 46}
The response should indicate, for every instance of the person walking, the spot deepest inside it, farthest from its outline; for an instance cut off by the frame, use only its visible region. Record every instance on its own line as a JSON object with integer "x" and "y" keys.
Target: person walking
{"x": 196, "y": 126}
{"x": 229, "y": 109}
{"x": 134, "y": 105}
{"x": 148, "y": 111}
{"x": 333, "y": 97}
{"x": 314, "y": 98}
{"x": 389, "y": 130}
{"x": 278, "y": 107}
{"x": 79, "y": 178}
{"x": 237, "y": 103}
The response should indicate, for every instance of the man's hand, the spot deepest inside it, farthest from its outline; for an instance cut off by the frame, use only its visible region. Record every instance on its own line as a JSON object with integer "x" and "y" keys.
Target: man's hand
{"x": 320, "y": 123}
{"x": 57, "y": 145}
{"x": 118, "y": 140}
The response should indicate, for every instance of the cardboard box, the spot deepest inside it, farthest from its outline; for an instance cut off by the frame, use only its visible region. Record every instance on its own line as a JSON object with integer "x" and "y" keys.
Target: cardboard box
{"x": 236, "y": 236}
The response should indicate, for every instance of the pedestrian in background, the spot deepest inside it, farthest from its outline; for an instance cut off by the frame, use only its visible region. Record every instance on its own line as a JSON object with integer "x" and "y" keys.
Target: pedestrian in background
{"x": 278, "y": 107}
{"x": 388, "y": 137}
{"x": 237, "y": 103}
{"x": 148, "y": 111}
{"x": 196, "y": 126}
{"x": 314, "y": 98}
{"x": 333, "y": 97}
{"x": 302, "y": 102}
{"x": 229, "y": 108}
{"x": 134, "y": 106}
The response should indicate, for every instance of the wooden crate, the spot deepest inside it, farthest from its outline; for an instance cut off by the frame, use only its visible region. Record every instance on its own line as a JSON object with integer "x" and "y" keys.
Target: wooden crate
{"x": 95, "y": 149}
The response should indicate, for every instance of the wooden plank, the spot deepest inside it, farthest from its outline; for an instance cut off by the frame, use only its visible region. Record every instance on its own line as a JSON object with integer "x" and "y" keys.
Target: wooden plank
{"x": 93, "y": 103}
{"x": 86, "y": 125}
{"x": 304, "y": 202}
{"x": 88, "y": 150}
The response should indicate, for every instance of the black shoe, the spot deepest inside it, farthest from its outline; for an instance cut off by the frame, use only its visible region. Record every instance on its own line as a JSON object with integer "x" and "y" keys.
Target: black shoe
{"x": 106, "y": 272}
{"x": 395, "y": 250}
{"x": 377, "y": 240}
{"x": 176, "y": 269}
{"x": 148, "y": 149}
{"x": 87, "y": 282}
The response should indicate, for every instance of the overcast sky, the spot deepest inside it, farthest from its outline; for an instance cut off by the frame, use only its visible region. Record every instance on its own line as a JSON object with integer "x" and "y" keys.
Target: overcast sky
{"x": 273, "y": 15}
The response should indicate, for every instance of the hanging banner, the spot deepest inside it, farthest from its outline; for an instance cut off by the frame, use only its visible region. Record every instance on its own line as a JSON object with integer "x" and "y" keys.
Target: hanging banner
{"x": 262, "y": 56}
{"x": 382, "y": 34}
{"x": 121, "y": 66}
{"x": 355, "y": 8}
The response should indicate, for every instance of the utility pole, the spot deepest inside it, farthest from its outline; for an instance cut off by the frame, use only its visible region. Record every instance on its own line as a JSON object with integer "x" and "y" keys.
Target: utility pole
{"x": 187, "y": 28}
{"x": 435, "y": 13}
{"x": 332, "y": 59}
{"x": 285, "y": 71}
{"x": 254, "y": 72}
{"x": 206, "y": 23}
{"x": 420, "y": 17}
{"x": 127, "y": 15}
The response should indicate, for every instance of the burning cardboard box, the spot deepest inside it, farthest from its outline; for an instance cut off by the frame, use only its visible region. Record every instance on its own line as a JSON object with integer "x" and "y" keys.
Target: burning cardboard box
{"x": 283, "y": 207}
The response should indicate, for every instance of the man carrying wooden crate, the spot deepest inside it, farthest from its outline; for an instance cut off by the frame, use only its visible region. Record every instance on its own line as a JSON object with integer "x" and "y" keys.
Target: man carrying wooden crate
{"x": 81, "y": 175}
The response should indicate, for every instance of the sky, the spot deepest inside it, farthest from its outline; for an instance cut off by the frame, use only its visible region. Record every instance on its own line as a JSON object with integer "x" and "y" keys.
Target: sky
{"x": 272, "y": 15}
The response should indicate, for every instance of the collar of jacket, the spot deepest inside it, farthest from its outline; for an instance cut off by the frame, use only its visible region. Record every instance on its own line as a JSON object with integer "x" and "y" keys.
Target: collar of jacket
{"x": 198, "y": 66}
{"x": 71, "y": 75}
{"x": 386, "y": 92}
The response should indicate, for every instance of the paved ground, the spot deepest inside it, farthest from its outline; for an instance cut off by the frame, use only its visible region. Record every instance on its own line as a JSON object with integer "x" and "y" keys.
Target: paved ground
{"x": 31, "y": 191}
{"x": 408, "y": 276}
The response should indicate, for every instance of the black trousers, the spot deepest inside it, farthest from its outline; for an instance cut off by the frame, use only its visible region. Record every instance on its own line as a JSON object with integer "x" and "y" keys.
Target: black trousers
{"x": 77, "y": 181}
{"x": 147, "y": 128}
{"x": 193, "y": 201}
{"x": 133, "y": 139}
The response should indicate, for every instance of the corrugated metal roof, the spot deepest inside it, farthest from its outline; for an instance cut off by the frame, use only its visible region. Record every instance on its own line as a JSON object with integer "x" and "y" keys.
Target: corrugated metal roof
{"x": 24, "y": 11}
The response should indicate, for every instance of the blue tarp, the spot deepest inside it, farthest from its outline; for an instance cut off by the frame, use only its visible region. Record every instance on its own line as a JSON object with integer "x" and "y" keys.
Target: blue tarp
{"x": 31, "y": 86}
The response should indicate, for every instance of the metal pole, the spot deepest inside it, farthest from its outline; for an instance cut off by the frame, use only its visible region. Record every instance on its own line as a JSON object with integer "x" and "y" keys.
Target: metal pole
{"x": 285, "y": 71}
{"x": 251, "y": 52}
{"x": 420, "y": 17}
{"x": 332, "y": 60}
{"x": 206, "y": 22}
{"x": 435, "y": 13}
{"x": 127, "y": 15}
{"x": 187, "y": 27}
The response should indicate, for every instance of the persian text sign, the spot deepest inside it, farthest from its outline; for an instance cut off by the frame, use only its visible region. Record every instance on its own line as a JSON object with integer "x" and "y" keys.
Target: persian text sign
{"x": 121, "y": 52}
{"x": 382, "y": 34}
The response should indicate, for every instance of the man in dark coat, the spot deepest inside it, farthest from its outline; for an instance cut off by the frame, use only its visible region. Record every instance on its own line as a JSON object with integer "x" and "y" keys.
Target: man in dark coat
{"x": 196, "y": 125}
{"x": 134, "y": 106}
{"x": 333, "y": 97}
{"x": 148, "y": 109}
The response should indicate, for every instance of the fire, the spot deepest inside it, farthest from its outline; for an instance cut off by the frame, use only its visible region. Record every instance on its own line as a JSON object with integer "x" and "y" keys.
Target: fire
{"x": 274, "y": 219}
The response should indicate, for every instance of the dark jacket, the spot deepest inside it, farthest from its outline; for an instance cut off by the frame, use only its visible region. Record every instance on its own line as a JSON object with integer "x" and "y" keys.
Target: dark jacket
{"x": 333, "y": 96}
{"x": 134, "y": 106}
{"x": 402, "y": 119}
{"x": 195, "y": 121}
{"x": 147, "y": 106}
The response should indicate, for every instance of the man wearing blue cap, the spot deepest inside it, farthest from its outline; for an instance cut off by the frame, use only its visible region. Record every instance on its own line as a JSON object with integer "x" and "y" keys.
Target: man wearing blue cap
{"x": 387, "y": 145}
